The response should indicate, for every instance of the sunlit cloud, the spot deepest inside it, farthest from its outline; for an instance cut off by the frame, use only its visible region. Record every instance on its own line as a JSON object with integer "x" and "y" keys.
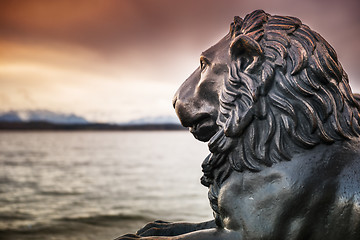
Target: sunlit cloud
{"x": 67, "y": 81}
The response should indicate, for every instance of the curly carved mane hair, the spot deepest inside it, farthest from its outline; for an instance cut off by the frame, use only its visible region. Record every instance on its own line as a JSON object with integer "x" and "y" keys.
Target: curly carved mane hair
{"x": 294, "y": 95}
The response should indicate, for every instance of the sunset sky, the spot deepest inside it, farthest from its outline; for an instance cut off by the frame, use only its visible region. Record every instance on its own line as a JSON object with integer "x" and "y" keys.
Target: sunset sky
{"x": 122, "y": 60}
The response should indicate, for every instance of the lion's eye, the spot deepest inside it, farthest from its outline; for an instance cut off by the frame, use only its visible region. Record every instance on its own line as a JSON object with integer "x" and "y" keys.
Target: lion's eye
{"x": 203, "y": 64}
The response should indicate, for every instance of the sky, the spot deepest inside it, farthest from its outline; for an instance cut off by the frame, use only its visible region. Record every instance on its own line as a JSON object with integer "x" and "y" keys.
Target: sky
{"x": 119, "y": 60}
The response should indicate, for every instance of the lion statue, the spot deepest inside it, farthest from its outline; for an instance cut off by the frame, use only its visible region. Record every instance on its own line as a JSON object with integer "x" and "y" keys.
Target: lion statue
{"x": 283, "y": 128}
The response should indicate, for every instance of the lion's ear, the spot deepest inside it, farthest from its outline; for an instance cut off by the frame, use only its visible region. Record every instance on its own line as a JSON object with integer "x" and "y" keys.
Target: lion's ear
{"x": 247, "y": 50}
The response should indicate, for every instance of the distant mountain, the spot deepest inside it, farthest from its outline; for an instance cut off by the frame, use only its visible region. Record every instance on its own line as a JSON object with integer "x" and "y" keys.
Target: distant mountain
{"x": 11, "y": 116}
{"x": 41, "y": 116}
{"x": 48, "y": 120}
{"x": 24, "y": 116}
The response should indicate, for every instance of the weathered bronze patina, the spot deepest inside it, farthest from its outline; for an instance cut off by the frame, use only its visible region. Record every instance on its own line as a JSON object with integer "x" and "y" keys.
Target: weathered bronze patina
{"x": 283, "y": 128}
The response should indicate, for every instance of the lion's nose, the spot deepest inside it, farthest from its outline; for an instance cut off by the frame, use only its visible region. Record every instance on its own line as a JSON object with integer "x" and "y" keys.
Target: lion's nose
{"x": 182, "y": 108}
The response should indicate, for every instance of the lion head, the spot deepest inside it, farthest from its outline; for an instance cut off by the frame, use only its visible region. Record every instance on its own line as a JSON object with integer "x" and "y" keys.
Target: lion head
{"x": 269, "y": 89}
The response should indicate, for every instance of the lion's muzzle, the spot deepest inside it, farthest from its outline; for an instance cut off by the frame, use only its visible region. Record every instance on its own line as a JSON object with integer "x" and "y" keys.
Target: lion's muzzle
{"x": 195, "y": 111}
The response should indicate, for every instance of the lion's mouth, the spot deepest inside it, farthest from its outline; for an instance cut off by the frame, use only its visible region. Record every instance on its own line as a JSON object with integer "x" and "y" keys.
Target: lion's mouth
{"x": 204, "y": 128}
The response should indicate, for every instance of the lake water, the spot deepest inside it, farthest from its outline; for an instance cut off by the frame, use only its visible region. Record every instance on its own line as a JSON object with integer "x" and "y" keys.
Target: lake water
{"x": 98, "y": 185}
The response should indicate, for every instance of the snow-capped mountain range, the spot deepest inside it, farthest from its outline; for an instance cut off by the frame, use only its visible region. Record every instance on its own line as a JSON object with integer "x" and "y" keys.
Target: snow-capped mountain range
{"x": 41, "y": 116}
{"x": 25, "y": 116}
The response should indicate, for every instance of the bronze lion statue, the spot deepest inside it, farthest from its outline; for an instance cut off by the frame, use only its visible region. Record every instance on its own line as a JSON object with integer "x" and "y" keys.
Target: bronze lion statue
{"x": 283, "y": 128}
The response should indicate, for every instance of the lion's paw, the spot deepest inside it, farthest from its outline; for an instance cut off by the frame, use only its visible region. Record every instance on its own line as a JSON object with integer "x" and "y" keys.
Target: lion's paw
{"x": 156, "y": 228}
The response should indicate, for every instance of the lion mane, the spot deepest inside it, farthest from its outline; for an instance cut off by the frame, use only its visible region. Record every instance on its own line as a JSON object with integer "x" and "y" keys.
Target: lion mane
{"x": 291, "y": 95}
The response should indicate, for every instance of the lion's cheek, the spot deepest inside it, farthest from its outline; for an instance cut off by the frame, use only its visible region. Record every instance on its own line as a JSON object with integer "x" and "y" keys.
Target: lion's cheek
{"x": 251, "y": 203}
